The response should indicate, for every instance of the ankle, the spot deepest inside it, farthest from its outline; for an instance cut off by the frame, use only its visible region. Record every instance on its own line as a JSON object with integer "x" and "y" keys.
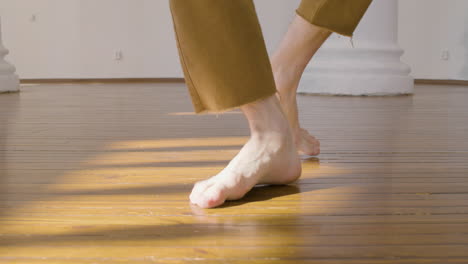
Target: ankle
{"x": 287, "y": 95}
{"x": 287, "y": 76}
{"x": 266, "y": 117}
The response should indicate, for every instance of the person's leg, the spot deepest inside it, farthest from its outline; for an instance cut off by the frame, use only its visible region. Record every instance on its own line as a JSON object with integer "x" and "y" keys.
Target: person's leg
{"x": 226, "y": 65}
{"x": 298, "y": 46}
{"x": 313, "y": 24}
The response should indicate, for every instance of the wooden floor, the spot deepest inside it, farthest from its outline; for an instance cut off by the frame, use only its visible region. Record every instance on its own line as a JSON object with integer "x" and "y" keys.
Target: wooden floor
{"x": 102, "y": 173}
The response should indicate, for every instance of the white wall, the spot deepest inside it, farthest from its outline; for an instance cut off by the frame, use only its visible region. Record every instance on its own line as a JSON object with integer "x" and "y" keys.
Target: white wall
{"x": 426, "y": 29}
{"x": 78, "y": 38}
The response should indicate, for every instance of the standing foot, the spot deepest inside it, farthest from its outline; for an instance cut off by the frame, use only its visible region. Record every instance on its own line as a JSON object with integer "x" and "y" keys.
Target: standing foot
{"x": 268, "y": 157}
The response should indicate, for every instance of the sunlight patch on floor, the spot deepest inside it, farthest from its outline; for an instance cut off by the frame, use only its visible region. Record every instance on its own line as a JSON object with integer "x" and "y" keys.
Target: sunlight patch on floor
{"x": 193, "y": 113}
{"x": 179, "y": 142}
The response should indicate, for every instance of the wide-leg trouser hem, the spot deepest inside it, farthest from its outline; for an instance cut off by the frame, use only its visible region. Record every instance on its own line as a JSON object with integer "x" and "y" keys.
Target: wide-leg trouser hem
{"x": 339, "y": 16}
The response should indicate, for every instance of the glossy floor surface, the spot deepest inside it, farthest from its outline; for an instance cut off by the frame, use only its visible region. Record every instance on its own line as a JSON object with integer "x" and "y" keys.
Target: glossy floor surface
{"x": 101, "y": 173}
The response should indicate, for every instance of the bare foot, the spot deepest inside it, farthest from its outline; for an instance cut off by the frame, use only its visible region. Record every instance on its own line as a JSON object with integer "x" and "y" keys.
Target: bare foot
{"x": 298, "y": 46}
{"x": 269, "y": 157}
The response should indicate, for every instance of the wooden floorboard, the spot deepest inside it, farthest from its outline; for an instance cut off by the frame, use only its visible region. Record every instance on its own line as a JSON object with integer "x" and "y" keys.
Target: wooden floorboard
{"x": 101, "y": 173}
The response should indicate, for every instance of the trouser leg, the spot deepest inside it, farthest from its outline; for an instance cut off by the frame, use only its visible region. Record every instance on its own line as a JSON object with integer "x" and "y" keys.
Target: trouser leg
{"x": 222, "y": 53}
{"x": 340, "y": 16}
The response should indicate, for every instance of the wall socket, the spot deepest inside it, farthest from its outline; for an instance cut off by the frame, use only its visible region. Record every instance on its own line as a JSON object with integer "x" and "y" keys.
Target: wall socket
{"x": 445, "y": 54}
{"x": 118, "y": 55}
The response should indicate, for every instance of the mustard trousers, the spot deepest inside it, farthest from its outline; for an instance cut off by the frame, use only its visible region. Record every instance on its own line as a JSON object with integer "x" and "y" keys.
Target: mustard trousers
{"x": 222, "y": 50}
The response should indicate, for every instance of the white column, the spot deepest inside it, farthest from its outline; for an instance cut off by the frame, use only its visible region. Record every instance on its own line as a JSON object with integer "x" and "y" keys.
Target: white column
{"x": 9, "y": 81}
{"x": 371, "y": 67}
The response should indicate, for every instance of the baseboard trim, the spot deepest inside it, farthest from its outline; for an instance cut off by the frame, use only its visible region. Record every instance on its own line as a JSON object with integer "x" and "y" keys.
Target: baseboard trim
{"x": 440, "y": 82}
{"x": 181, "y": 80}
{"x": 103, "y": 80}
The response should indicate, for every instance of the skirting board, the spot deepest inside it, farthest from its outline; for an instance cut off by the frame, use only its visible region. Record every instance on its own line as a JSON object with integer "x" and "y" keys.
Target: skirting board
{"x": 180, "y": 80}
{"x": 441, "y": 82}
{"x": 104, "y": 80}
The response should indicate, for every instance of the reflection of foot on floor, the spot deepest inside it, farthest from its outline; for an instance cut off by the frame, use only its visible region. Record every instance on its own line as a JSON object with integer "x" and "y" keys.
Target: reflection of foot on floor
{"x": 269, "y": 157}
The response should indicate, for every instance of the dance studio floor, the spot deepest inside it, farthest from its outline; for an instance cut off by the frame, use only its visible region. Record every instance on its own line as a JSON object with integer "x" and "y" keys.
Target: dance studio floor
{"x": 101, "y": 173}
